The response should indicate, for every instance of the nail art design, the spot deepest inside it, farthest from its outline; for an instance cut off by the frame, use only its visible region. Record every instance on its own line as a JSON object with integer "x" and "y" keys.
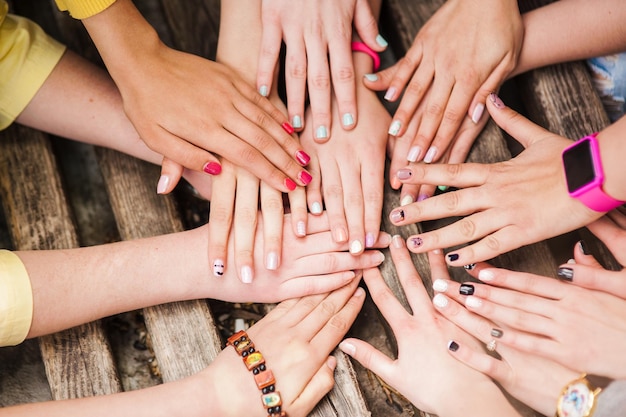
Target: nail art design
{"x": 290, "y": 184}
{"x": 212, "y": 168}
{"x": 397, "y": 216}
{"x": 497, "y": 102}
{"x": 443, "y": 188}
{"x": 417, "y": 241}
{"x": 394, "y": 129}
{"x": 303, "y": 158}
{"x": 404, "y": 174}
{"x": 218, "y": 267}
{"x": 583, "y": 247}
{"x": 497, "y": 333}
{"x": 453, "y": 346}
{"x": 466, "y": 289}
{"x": 452, "y": 257}
{"x": 164, "y": 181}
{"x": 422, "y": 197}
{"x": 469, "y": 267}
{"x": 566, "y": 274}
{"x": 288, "y": 128}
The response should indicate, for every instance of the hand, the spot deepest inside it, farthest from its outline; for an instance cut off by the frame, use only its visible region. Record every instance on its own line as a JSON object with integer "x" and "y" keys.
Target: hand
{"x": 455, "y": 61}
{"x": 314, "y": 32}
{"x": 505, "y": 202}
{"x": 422, "y": 337}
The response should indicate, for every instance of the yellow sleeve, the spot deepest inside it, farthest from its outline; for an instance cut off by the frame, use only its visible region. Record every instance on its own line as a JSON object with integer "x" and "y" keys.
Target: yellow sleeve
{"x": 81, "y": 9}
{"x": 16, "y": 300}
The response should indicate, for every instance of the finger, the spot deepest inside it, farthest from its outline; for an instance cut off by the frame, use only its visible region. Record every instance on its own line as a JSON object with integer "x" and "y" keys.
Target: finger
{"x": 171, "y": 173}
{"x": 295, "y": 81}
{"x": 490, "y": 85}
{"x": 318, "y": 77}
{"x": 246, "y": 212}
{"x": 353, "y": 206}
{"x": 402, "y": 146}
{"x": 373, "y": 184}
{"x": 221, "y": 218}
{"x": 272, "y": 209}
{"x": 331, "y": 262}
{"x": 316, "y": 284}
{"x": 521, "y": 282}
{"x": 298, "y": 210}
{"x": 412, "y": 99}
{"x": 366, "y": 26}
{"x": 409, "y": 194}
{"x": 271, "y": 40}
{"x": 380, "y": 80}
{"x": 369, "y": 357}
{"x": 314, "y": 189}
{"x": 595, "y": 278}
{"x": 319, "y": 385}
{"x": 343, "y": 78}
{"x": 485, "y": 364}
{"x": 452, "y": 175}
{"x": 409, "y": 278}
{"x": 338, "y": 325}
{"x": 333, "y": 192}
{"x": 611, "y": 234}
{"x": 475, "y": 325}
{"x": 583, "y": 257}
{"x": 383, "y": 297}
{"x": 405, "y": 70}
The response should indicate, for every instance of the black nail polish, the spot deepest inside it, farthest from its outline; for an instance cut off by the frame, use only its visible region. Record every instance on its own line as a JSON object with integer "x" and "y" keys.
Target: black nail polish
{"x": 469, "y": 267}
{"x": 466, "y": 289}
{"x": 497, "y": 333}
{"x": 453, "y": 257}
{"x": 417, "y": 241}
{"x": 566, "y": 274}
{"x": 584, "y": 248}
{"x": 397, "y": 216}
{"x": 453, "y": 346}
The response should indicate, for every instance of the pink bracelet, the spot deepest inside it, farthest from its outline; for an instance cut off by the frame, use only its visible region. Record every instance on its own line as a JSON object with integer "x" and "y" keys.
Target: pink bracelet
{"x": 361, "y": 47}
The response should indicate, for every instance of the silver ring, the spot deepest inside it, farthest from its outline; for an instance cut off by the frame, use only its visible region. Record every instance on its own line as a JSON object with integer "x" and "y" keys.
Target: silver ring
{"x": 492, "y": 345}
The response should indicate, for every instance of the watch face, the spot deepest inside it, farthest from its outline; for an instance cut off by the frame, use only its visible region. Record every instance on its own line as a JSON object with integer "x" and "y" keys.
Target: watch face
{"x": 579, "y": 166}
{"x": 576, "y": 401}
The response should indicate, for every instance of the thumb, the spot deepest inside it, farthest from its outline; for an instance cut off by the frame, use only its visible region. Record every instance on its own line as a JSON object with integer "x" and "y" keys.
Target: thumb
{"x": 367, "y": 27}
{"x": 369, "y": 357}
{"x": 171, "y": 173}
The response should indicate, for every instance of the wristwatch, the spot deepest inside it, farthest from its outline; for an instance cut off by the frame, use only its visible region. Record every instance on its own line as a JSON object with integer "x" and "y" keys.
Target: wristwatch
{"x": 580, "y": 397}
{"x": 584, "y": 174}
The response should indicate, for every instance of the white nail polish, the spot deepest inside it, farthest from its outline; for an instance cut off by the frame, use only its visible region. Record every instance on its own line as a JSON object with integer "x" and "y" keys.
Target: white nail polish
{"x": 389, "y": 95}
{"x": 478, "y": 112}
{"x": 571, "y": 261}
{"x": 356, "y": 247}
{"x": 246, "y": 274}
{"x": 301, "y": 228}
{"x": 371, "y": 77}
{"x": 414, "y": 153}
{"x": 348, "y": 348}
{"x": 406, "y": 200}
{"x": 263, "y": 90}
{"x": 440, "y": 285}
{"x": 316, "y": 208}
{"x": 164, "y": 181}
{"x": 473, "y": 302}
{"x": 440, "y": 300}
{"x": 394, "y": 129}
{"x": 218, "y": 267}
{"x": 430, "y": 155}
{"x": 240, "y": 324}
{"x": 271, "y": 262}
{"x": 486, "y": 275}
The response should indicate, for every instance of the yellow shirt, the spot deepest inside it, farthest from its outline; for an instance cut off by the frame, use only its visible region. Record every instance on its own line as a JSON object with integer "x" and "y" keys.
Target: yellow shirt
{"x": 16, "y": 300}
{"x": 81, "y": 9}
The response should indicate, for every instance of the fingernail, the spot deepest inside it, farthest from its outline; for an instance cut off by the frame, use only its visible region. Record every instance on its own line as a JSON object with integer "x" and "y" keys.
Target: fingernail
{"x": 571, "y": 261}
{"x": 381, "y": 41}
{"x": 416, "y": 242}
{"x": 321, "y": 132}
{"x": 290, "y": 184}
{"x": 296, "y": 122}
{"x": 384, "y": 239}
{"x": 390, "y": 94}
{"x": 486, "y": 275}
{"x": 583, "y": 247}
{"x": 440, "y": 285}
{"x": 473, "y": 302}
{"x": 404, "y": 174}
{"x": 263, "y": 90}
{"x": 394, "y": 129}
{"x": 478, "y": 112}
{"x": 440, "y": 300}
{"x": 379, "y": 257}
{"x": 348, "y": 348}
{"x": 414, "y": 153}
{"x": 566, "y": 274}
{"x": 163, "y": 183}
{"x": 369, "y": 240}
{"x": 452, "y": 257}
{"x": 303, "y": 158}
{"x": 304, "y": 177}
{"x": 271, "y": 262}
{"x": 443, "y": 188}
{"x": 398, "y": 242}
{"x": 212, "y": 168}
{"x": 288, "y": 128}
{"x": 466, "y": 289}
{"x": 371, "y": 77}
{"x": 340, "y": 234}
{"x": 301, "y": 228}
{"x": 406, "y": 200}
{"x": 316, "y": 207}
{"x": 397, "y": 215}
{"x": 453, "y": 346}
{"x": 331, "y": 362}
{"x": 469, "y": 267}
{"x": 218, "y": 267}
{"x": 497, "y": 333}
{"x": 347, "y": 119}
{"x": 430, "y": 155}
{"x": 497, "y": 102}
{"x": 422, "y": 197}
{"x": 356, "y": 247}
{"x": 246, "y": 274}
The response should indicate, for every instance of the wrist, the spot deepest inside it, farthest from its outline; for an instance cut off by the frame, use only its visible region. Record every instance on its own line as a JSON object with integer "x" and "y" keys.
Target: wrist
{"x": 613, "y": 151}
{"x": 485, "y": 400}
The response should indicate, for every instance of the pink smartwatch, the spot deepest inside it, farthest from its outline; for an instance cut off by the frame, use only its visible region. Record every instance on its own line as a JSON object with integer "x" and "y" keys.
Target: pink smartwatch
{"x": 584, "y": 174}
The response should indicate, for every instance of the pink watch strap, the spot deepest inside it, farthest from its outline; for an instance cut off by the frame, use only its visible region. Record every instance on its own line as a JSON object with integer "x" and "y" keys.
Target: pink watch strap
{"x": 361, "y": 47}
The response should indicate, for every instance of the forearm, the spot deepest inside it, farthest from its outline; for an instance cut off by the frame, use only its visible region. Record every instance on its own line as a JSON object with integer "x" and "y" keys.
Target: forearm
{"x": 485, "y": 400}
{"x": 613, "y": 152}
{"x": 570, "y": 30}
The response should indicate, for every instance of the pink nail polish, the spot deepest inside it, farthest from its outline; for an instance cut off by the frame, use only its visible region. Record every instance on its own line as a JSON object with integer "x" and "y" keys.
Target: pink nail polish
{"x": 303, "y": 158}
{"x": 369, "y": 240}
{"x": 305, "y": 177}
{"x": 212, "y": 168}
{"x": 390, "y": 94}
{"x": 417, "y": 242}
{"x": 404, "y": 174}
{"x": 397, "y": 216}
{"x": 290, "y": 184}
{"x": 497, "y": 102}
{"x": 288, "y": 128}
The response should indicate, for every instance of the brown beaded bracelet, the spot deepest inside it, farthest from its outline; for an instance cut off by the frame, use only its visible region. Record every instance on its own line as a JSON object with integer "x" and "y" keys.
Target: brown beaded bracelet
{"x": 263, "y": 377}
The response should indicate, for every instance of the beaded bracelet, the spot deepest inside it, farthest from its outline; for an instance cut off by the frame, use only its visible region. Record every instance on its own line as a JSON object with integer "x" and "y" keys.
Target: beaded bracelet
{"x": 361, "y": 47}
{"x": 263, "y": 377}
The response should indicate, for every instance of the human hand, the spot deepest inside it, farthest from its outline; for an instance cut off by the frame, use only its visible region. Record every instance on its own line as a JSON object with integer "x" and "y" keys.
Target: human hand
{"x": 422, "y": 337}
{"x": 314, "y": 32}
{"x": 451, "y": 72}
{"x": 505, "y": 202}
{"x": 295, "y": 339}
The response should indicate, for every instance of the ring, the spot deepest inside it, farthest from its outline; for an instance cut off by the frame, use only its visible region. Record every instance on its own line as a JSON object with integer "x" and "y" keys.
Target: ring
{"x": 492, "y": 345}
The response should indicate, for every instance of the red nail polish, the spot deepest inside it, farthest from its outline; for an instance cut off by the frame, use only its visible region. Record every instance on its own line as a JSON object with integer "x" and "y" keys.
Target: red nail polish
{"x": 212, "y": 168}
{"x": 290, "y": 184}
{"x": 305, "y": 177}
{"x": 288, "y": 128}
{"x": 303, "y": 158}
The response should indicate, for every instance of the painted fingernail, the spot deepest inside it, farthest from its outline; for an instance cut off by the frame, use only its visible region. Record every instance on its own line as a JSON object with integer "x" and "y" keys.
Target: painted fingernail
{"x": 397, "y": 215}
{"x": 301, "y": 228}
{"x": 379, "y": 258}
{"x": 288, "y": 128}
{"x": 290, "y": 184}
{"x": 347, "y": 119}
{"x": 466, "y": 289}
{"x": 348, "y": 348}
{"x": 263, "y": 90}
{"x": 406, "y": 200}
{"x": 394, "y": 129}
{"x": 478, "y": 112}
{"x": 422, "y": 197}
{"x": 296, "y": 122}
{"x": 218, "y": 267}
{"x": 440, "y": 300}
{"x": 304, "y": 177}
{"x": 469, "y": 267}
{"x": 566, "y": 274}
{"x": 271, "y": 262}
{"x": 316, "y": 208}
{"x": 571, "y": 261}
{"x": 497, "y": 333}
{"x": 303, "y": 158}
{"x": 430, "y": 155}
{"x": 497, "y": 102}
{"x": 452, "y": 257}
{"x": 404, "y": 174}
{"x": 321, "y": 132}
{"x": 440, "y": 285}
{"x": 443, "y": 188}
{"x": 398, "y": 242}
{"x": 414, "y": 153}
{"x": 246, "y": 274}
{"x": 473, "y": 302}
{"x": 583, "y": 247}
{"x": 486, "y": 275}
{"x": 369, "y": 240}
{"x": 381, "y": 41}
{"x": 164, "y": 181}
{"x": 371, "y": 77}
{"x": 390, "y": 94}
{"x": 453, "y": 346}
{"x": 356, "y": 247}
{"x": 416, "y": 241}
{"x": 212, "y": 168}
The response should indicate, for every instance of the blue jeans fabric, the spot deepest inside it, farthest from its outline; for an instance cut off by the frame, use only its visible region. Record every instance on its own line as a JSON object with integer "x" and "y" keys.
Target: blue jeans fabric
{"x": 608, "y": 74}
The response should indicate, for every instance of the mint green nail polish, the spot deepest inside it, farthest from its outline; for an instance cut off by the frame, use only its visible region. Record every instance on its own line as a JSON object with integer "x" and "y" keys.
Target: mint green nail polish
{"x": 297, "y": 122}
{"x": 321, "y": 132}
{"x": 371, "y": 77}
{"x": 347, "y": 119}
{"x": 381, "y": 41}
{"x": 443, "y": 187}
{"x": 263, "y": 90}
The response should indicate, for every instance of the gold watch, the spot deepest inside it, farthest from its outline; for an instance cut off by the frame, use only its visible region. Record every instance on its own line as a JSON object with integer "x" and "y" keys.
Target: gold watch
{"x": 580, "y": 397}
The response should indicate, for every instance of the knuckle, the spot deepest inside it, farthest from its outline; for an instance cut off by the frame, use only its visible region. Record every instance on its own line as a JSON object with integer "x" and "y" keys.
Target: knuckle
{"x": 415, "y": 88}
{"x": 331, "y": 262}
{"x": 451, "y": 201}
{"x": 249, "y": 155}
{"x": 453, "y": 170}
{"x": 467, "y": 228}
{"x": 333, "y": 191}
{"x": 320, "y": 82}
{"x": 452, "y": 115}
{"x": 339, "y": 323}
{"x": 493, "y": 243}
{"x": 247, "y": 216}
{"x": 220, "y": 215}
{"x": 434, "y": 109}
{"x": 297, "y": 70}
{"x": 345, "y": 75}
